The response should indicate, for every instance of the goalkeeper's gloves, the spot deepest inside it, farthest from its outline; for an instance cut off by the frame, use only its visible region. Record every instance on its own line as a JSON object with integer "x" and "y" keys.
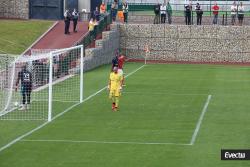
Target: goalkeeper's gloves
{"x": 120, "y": 88}
{"x": 108, "y": 87}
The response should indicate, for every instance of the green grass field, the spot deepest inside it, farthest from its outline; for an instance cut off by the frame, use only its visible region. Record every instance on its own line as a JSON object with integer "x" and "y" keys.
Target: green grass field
{"x": 16, "y": 36}
{"x": 160, "y": 110}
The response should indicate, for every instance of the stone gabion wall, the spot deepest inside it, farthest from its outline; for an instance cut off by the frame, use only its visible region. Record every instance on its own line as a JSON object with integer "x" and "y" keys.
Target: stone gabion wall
{"x": 105, "y": 50}
{"x": 186, "y": 43}
{"x": 14, "y": 9}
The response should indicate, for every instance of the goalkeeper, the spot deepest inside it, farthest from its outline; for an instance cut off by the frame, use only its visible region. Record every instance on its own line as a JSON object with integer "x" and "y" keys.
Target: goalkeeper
{"x": 115, "y": 87}
{"x": 26, "y": 86}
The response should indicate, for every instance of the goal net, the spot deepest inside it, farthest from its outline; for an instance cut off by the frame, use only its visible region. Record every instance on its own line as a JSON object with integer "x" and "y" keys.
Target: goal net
{"x": 40, "y": 86}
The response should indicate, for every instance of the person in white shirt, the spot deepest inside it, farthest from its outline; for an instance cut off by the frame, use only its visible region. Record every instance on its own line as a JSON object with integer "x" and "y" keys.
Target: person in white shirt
{"x": 163, "y": 11}
{"x": 75, "y": 16}
{"x": 241, "y": 13}
{"x": 125, "y": 11}
{"x": 233, "y": 12}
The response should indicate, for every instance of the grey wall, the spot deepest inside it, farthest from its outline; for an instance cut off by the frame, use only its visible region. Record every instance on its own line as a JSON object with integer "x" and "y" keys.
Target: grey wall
{"x": 14, "y": 9}
{"x": 186, "y": 43}
{"x": 84, "y": 4}
{"x": 105, "y": 50}
{"x": 20, "y": 8}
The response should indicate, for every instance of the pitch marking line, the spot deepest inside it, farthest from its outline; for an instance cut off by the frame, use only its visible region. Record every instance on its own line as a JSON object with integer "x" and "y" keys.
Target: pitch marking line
{"x": 105, "y": 142}
{"x": 1, "y": 51}
{"x": 198, "y": 125}
{"x": 165, "y": 93}
{"x": 58, "y": 115}
{"x": 63, "y": 101}
{"x": 54, "y": 82}
{"x": 12, "y": 42}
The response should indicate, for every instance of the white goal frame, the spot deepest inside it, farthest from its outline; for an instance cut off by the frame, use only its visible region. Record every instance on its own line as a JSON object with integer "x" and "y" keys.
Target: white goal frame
{"x": 51, "y": 55}
{"x": 10, "y": 103}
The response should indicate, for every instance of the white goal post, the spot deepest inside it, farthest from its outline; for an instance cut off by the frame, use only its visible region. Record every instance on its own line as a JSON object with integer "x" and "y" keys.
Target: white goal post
{"x": 52, "y": 55}
{"x": 56, "y": 82}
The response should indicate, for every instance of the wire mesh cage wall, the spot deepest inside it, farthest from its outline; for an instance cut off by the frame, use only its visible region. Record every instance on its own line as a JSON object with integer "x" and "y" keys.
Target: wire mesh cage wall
{"x": 186, "y": 43}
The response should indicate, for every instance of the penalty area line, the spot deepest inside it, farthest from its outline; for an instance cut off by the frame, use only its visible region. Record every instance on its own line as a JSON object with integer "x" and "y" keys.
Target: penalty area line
{"x": 103, "y": 142}
{"x": 58, "y": 115}
{"x": 198, "y": 125}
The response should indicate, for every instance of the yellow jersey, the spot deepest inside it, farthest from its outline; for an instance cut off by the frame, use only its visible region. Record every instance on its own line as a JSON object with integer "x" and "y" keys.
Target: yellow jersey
{"x": 91, "y": 25}
{"x": 115, "y": 80}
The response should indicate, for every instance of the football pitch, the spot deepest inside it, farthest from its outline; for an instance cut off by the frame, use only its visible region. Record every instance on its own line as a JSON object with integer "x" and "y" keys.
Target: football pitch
{"x": 18, "y": 35}
{"x": 170, "y": 115}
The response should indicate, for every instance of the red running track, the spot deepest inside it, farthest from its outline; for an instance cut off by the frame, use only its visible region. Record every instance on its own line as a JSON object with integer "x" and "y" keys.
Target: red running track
{"x": 56, "y": 39}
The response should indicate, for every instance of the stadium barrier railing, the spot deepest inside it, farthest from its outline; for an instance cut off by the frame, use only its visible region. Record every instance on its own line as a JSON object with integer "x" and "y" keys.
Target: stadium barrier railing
{"x": 90, "y": 37}
{"x": 144, "y": 12}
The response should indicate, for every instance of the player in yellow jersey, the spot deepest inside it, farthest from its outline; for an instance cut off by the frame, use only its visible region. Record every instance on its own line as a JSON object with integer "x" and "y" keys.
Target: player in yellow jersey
{"x": 115, "y": 87}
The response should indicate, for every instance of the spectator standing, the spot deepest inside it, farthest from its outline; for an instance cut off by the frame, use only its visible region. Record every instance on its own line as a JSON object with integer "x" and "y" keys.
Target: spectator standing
{"x": 157, "y": 13}
{"x": 188, "y": 11}
{"x": 75, "y": 17}
{"x": 163, "y": 12}
{"x": 125, "y": 11}
{"x": 66, "y": 22}
{"x": 97, "y": 14}
{"x": 92, "y": 24}
{"x": 103, "y": 9}
{"x": 114, "y": 9}
{"x": 199, "y": 13}
{"x": 233, "y": 12}
{"x": 241, "y": 13}
{"x": 169, "y": 12}
{"x": 215, "y": 10}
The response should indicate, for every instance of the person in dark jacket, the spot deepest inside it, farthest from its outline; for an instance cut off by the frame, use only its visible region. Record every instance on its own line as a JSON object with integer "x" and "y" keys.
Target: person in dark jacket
{"x": 199, "y": 13}
{"x": 67, "y": 22}
{"x": 97, "y": 14}
{"x": 114, "y": 10}
{"x": 169, "y": 12}
{"x": 188, "y": 12}
{"x": 157, "y": 13}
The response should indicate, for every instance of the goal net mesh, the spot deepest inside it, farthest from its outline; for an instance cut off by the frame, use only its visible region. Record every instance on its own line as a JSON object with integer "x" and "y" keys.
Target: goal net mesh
{"x": 20, "y": 103}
